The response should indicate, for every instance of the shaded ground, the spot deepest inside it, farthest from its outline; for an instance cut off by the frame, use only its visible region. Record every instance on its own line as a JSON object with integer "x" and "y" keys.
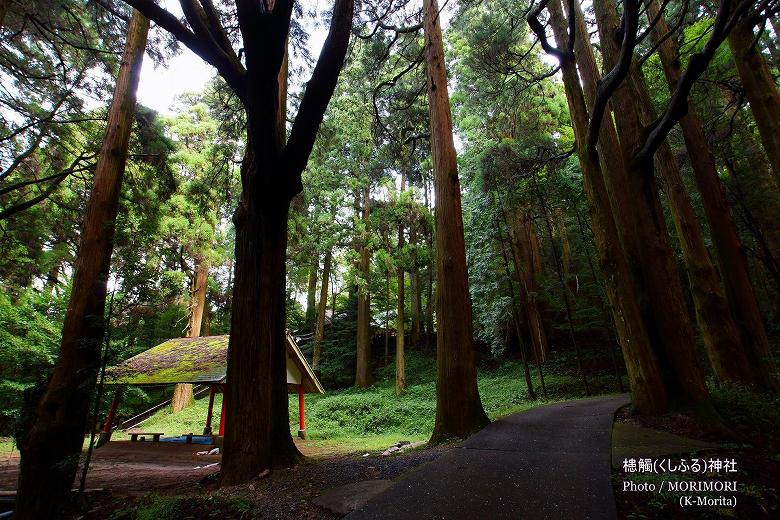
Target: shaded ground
{"x": 548, "y": 462}
{"x": 123, "y": 469}
{"x": 679, "y": 438}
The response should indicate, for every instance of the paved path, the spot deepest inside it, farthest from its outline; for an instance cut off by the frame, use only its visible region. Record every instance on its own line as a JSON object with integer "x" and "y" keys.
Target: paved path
{"x": 549, "y": 462}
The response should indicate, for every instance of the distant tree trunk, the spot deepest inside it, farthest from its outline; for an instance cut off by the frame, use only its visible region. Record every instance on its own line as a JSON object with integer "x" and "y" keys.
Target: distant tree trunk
{"x": 568, "y": 305}
{"x": 311, "y": 296}
{"x": 560, "y": 224}
{"x": 648, "y": 389}
{"x": 729, "y": 251}
{"x": 52, "y": 430}
{"x": 429, "y": 305}
{"x": 363, "y": 375}
{"x": 515, "y": 315}
{"x": 321, "y": 307}
{"x": 400, "y": 354}
{"x": 414, "y": 277}
{"x": 182, "y": 392}
{"x": 760, "y": 89}
{"x": 205, "y": 329}
{"x": 522, "y": 235}
{"x": 459, "y": 410}
{"x": 646, "y": 241}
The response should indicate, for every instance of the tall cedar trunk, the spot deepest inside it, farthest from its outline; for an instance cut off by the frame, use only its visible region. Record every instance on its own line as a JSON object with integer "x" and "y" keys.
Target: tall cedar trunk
{"x": 459, "y": 410}
{"x": 522, "y": 235}
{"x": 53, "y": 428}
{"x": 400, "y": 354}
{"x": 182, "y": 392}
{"x": 729, "y": 251}
{"x": 311, "y": 295}
{"x": 257, "y": 432}
{"x": 760, "y": 89}
{"x": 257, "y": 426}
{"x": 713, "y": 315}
{"x": 319, "y": 334}
{"x": 363, "y": 376}
{"x": 414, "y": 277}
{"x": 646, "y": 241}
{"x": 644, "y": 376}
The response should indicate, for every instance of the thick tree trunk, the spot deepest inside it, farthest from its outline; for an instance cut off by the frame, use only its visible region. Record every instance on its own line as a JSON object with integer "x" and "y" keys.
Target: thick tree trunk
{"x": 319, "y": 334}
{"x": 646, "y": 241}
{"x": 728, "y": 247}
{"x": 53, "y": 428}
{"x": 760, "y": 90}
{"x": 459, "y": 410}
{"x": 649, "y": 392}
{"x": 716, "y": 323}
{"x": 363, "y": 376}
{"x": 257, "y": 431}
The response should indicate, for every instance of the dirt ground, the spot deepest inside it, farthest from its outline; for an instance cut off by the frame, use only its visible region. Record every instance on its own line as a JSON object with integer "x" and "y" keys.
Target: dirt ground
{"x": 125, "y": 476}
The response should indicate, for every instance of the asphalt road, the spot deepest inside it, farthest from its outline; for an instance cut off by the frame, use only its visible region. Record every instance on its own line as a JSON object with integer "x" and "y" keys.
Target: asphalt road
{"x": 551, "y": 462}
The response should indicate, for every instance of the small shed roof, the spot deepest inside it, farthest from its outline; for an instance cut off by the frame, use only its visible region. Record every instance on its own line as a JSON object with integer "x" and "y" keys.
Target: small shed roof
{"x": 200, "y": 360}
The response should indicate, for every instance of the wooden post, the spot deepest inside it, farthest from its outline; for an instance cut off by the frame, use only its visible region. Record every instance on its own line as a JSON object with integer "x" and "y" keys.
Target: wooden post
{"x": 105, "y": 433}
{"x": 207, "y": 428}
{"x": 111, "y": 414}
{"x": 301, "y": 414}
{"x": 222, "y": 417}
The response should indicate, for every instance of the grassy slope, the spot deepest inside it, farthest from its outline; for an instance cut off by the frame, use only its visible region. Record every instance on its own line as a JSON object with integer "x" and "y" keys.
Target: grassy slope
{"x": 357, "y": 420}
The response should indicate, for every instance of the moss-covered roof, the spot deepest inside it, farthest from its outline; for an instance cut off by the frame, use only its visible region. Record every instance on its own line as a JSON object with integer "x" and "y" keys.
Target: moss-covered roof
{"x": 195, "y": 360}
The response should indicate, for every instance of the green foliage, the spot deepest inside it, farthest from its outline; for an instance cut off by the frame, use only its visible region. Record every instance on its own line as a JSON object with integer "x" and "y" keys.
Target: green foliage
{"x": 29, "y": 340}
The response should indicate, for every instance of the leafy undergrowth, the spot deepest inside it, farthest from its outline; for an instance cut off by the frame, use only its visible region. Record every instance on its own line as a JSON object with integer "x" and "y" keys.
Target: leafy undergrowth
{"x": 157, "y": 507}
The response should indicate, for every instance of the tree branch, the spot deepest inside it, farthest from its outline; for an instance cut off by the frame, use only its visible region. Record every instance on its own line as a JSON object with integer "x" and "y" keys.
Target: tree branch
{"x": 318, "y": 93}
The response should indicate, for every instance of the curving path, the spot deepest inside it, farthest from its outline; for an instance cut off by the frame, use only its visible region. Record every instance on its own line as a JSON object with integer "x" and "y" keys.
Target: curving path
{"x": 549, "y": 462}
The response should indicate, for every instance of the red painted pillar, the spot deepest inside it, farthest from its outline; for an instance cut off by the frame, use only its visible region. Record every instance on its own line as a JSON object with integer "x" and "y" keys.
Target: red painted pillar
{"x": 111, "y": 414}
{"x": 222, "y": 417}
{"x": 301, "y": 413}
{"x": 210, "y": 414}
{"x": 105, "y": 433}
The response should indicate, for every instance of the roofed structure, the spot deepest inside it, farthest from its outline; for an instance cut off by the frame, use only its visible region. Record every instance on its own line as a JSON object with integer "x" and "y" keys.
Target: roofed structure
{"x": 201, "y": 360}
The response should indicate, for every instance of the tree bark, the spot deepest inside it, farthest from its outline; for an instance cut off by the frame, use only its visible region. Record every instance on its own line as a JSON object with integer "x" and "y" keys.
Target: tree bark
{"x": 646, "y": 241}
{"x": 182, "y": 392}
{"x": 53, "y": 428}
{"x": 311, "y": 295}
{"x": 729, "y": 252}
{"x": 414, "y": 277}
{"x": 649, "y": 392}
{"x": 522, "y": 236}
{"x": 363, "y": 376}
{"x": 459, "y": 410}
{"x": 718, "y": 328}
{"x": 400, "y": 355}
{"x": 760, "y": 89}
{"x": 319, "y": 334}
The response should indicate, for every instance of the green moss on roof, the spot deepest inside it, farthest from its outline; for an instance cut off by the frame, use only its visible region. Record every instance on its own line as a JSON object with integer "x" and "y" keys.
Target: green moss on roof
{"x": 179, "y": 360}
